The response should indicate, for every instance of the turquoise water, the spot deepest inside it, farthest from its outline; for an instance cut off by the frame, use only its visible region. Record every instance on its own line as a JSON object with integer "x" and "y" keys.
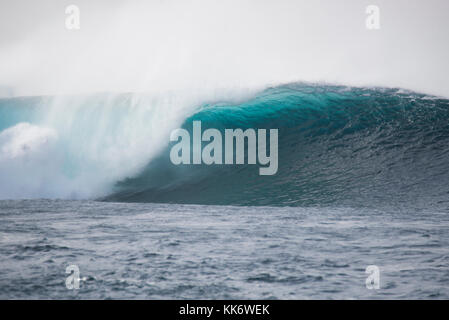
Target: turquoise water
{"x": 337, "y": 146}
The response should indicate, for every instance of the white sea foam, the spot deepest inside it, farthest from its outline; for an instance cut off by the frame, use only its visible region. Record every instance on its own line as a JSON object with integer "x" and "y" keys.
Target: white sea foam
{"x": 81, "y": 145}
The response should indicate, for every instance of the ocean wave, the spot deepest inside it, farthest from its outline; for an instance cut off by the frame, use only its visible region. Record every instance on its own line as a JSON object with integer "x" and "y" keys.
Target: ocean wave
{"x": 337, "y": 145}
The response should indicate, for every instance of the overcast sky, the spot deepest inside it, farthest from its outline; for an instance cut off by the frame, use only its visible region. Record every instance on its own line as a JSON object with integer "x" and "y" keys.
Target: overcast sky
{"x": 159, "y": 45}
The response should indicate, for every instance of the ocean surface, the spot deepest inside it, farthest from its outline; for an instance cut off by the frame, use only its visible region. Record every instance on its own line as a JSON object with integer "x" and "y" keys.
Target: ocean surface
{"x": 168, "y": 251}
{"x": 362, "y": 180}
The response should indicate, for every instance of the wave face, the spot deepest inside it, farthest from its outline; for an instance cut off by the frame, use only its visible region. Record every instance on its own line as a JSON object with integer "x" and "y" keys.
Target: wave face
{"x": 337, "y": 146}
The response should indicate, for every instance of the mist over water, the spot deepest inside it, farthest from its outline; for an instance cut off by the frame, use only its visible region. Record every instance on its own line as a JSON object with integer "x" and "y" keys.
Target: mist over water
{"x": 79, "y": 146}
{"x": 202, "y": 46}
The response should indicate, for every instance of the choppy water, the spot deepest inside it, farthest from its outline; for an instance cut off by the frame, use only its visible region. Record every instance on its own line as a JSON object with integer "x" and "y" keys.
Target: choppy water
{"x": 166, "y": 251}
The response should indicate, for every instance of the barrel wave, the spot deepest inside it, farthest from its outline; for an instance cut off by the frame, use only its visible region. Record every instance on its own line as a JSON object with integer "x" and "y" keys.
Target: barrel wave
{"x": 337, "y": 146}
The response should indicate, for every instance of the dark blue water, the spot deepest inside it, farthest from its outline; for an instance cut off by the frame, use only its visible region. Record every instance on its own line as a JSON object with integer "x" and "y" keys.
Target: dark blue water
{"x": 166, "y": 251}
